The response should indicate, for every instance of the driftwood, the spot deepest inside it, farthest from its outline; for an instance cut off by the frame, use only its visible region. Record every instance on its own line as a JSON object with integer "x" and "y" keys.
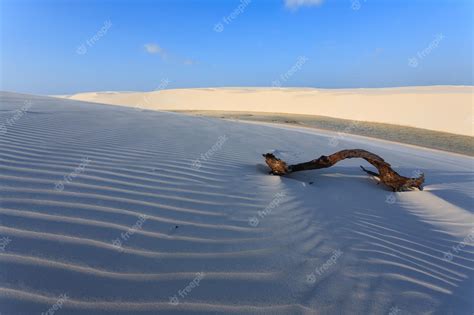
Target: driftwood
{"x": 386, "y": 174}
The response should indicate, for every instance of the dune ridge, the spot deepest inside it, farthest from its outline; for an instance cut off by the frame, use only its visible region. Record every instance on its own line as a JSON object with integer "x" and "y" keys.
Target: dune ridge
{"x": 440, "y": 108}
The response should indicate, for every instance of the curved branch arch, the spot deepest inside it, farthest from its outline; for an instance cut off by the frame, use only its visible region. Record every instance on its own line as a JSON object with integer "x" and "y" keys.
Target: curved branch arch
{"x": 386, "y": 174}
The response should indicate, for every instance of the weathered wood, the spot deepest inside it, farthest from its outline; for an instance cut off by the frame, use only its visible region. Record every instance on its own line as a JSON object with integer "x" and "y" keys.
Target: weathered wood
{"x": 386, "y": 174}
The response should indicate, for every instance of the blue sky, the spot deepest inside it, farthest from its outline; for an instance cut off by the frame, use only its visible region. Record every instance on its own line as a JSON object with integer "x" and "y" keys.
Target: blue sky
{"x": 62, "y": 47}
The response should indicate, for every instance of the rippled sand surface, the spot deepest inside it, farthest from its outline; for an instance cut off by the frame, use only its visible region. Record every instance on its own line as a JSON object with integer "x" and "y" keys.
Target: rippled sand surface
{"x": 113, "y": 210}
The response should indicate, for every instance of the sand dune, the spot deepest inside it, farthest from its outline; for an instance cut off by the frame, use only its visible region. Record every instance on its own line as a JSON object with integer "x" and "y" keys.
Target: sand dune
{"x": 114, "y": 210}
{"x": 440, "y": 108}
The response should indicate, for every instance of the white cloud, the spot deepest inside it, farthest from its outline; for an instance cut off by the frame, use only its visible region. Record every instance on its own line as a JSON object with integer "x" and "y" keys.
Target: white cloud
{"x": 189, "y": 62}
{"x": 295, "y": 4}
{"x": 155, "y": 49}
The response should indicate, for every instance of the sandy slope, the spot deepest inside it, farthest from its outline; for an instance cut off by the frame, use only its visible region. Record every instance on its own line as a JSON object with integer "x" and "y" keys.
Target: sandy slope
{"x": 441, "y": 108}
{"x": 341, "y": 245}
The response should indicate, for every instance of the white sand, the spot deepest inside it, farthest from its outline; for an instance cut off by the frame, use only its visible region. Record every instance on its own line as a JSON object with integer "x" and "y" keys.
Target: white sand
{"x": 440, "y": 108}
{"x": 388, "y": 250}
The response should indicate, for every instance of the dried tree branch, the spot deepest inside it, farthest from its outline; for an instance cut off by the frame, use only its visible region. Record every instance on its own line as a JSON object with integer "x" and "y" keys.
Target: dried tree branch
{"x": 386, "y": 174}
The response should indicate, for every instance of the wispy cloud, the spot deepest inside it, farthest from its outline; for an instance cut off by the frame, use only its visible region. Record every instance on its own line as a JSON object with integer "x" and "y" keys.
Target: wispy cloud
{"x": 155, "y": 49}
{"x": 189, "y": 62}
{"x": 295, "y": 4}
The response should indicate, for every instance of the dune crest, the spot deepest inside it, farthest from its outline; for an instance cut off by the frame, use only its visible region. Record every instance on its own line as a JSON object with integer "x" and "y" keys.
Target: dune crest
{"x": 439, "y": 108}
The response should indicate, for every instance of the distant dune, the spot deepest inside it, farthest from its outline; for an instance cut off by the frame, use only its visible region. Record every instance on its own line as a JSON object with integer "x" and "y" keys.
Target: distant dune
{"x": 440, "y": 108}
